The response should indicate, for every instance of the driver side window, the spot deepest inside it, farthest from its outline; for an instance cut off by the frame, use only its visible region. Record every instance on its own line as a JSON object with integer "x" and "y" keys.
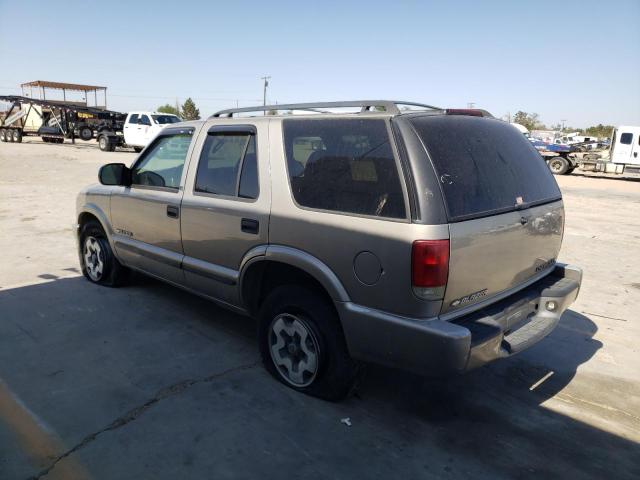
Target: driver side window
{"x": 162, "y": 163}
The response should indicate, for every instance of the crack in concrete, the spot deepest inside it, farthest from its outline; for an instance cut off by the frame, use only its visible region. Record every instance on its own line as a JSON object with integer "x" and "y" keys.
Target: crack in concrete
{"x": 136, "y": 412}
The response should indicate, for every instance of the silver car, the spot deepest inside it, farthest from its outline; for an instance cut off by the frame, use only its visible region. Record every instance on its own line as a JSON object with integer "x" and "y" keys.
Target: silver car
{"x": 401, "y": 234}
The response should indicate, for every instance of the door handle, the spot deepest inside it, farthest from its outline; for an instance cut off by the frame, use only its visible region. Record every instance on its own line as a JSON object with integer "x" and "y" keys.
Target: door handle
{"x": 635, "y": 154}
{"x": 173, "y": 211}
{"x": 249, "y": 225}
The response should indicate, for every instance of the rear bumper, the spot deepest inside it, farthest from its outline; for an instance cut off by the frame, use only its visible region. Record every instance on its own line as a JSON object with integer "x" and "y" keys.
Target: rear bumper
{"x": 436, "y": 347}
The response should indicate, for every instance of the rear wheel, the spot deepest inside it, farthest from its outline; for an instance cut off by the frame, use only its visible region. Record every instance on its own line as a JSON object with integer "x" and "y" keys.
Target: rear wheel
{"x": 3, "y": 135}
{"x": 17, "y": 136}
{"x": 302, "y": 344}
{"x": 99, "y": 265}
{"x": 85, "y": 134}
{"x": 9, "y": 135}
{"x": 559, "y": 165}
{"x": 104, "y": 144}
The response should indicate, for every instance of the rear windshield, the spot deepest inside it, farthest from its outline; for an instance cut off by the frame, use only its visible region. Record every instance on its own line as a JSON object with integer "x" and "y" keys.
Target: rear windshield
{"x": 484, "y": 166}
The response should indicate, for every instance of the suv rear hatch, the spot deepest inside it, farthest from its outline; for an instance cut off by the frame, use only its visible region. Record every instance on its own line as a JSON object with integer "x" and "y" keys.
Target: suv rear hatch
{"x": 503, "y": 205}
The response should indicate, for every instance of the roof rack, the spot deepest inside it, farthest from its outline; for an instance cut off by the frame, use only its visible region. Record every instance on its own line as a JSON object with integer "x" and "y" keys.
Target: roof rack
{"x": 387, "y": 106}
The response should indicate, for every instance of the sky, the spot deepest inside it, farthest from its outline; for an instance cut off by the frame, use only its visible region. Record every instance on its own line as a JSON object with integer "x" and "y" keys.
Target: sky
{"x": 577, "y": 61}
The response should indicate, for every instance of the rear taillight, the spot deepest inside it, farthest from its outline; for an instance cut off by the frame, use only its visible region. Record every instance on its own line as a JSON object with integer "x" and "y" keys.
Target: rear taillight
{"x": 429, "y": 268}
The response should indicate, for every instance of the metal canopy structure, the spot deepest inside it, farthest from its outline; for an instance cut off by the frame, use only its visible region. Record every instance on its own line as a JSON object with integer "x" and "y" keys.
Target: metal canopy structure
{"x": 386, "y": 106}
{"x": 41, "y": 87}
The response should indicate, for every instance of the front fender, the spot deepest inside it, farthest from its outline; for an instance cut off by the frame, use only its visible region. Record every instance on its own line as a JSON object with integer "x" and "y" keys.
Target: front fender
{"x": 95, "y": 202}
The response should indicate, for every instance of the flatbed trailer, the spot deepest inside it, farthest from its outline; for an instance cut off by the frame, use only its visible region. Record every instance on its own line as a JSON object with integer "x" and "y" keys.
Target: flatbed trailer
{"x": 60, "y": 120}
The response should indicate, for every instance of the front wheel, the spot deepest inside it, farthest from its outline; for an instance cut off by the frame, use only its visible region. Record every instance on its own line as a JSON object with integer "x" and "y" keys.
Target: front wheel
{"x": 302, "y": 344}
{"x": 559, "y": 165}
{"x": 99, "y": 264}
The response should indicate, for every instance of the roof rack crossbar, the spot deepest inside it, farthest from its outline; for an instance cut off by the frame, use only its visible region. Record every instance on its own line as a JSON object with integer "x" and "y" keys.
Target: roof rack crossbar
{"x": 388, "y": 106}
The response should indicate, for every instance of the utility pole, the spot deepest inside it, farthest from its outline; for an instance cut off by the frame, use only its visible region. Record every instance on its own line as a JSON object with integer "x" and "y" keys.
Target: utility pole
{"x": 563, "y": 124}
{"x": 264, "y": 92}
{"x": 471, "y": 104}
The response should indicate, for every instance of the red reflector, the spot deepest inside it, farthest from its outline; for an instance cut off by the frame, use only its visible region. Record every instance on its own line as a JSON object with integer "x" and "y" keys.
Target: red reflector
{"x": 429, "y": 263}
{"x": 464, "y": 111}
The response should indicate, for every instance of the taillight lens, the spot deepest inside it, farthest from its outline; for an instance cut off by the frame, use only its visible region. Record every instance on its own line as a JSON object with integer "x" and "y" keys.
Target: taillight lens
{"x": 429, "y": 267}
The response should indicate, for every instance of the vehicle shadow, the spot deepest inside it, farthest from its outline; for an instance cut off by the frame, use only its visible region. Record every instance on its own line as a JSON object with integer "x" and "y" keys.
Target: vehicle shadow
{"x": 64, "y": 337}
{"x": 500, "y": 412}
{"x": 555, "y": 359}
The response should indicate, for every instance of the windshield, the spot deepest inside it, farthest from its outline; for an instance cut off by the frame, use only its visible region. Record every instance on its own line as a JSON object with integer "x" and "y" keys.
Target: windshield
{"x": 484, "y": 166}
{"x": 164, "y": 119}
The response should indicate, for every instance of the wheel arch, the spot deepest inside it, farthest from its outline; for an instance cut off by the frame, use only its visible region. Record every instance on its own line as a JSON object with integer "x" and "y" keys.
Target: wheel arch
{"x": 265, "y": 268}
{"x": 90, "y": 212}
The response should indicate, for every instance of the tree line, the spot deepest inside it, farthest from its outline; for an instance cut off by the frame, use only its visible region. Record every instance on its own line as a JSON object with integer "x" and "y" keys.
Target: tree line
{"x": 189, "y": 111}
{"x": 186, "y": 111}
{"x": 532, "y": 122}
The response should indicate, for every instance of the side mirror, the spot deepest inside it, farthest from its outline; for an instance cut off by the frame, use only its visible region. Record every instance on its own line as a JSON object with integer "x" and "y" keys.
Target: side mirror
{"x": 115, "y": 174}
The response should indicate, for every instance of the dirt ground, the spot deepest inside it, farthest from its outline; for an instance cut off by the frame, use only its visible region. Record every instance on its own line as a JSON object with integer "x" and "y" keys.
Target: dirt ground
{"x": 147, "y": 381}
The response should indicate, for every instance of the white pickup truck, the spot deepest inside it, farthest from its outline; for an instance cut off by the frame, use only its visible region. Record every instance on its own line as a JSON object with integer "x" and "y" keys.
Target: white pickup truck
{"x": 138, "y": 130}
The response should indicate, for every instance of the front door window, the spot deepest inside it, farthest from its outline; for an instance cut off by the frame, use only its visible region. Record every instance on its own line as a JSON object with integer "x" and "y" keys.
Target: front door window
{"x": 162, "y": 163}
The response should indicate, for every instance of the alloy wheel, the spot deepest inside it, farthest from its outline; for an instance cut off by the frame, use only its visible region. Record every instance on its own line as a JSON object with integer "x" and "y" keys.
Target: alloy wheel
{"x": 294, "y": 349}
{"x": 93, "y": 259}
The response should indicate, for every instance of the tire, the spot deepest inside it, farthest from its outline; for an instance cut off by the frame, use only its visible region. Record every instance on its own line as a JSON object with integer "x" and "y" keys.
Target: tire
{"x": 99, "y": 264}
{"x": 85, "y": 134}
{"x": 138, "y": 149}
{"x": 3, "y": 135}
{"x": 293, "y": 312}
{"x": 17, "y": 136}
{"x": 104, "y": 144}
{"x": 559, "y": 165}
{"x": 9, "y": 135}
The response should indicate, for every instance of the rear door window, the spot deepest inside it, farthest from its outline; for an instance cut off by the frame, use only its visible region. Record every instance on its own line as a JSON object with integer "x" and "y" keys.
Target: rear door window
{"x": 228, "y": 165}
{"x": 344, "y": 165}
{"x": 484, "y": 166}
